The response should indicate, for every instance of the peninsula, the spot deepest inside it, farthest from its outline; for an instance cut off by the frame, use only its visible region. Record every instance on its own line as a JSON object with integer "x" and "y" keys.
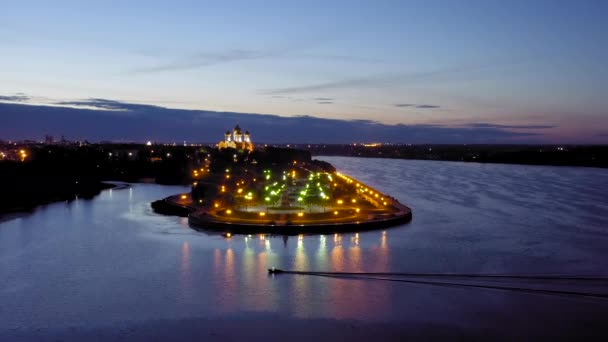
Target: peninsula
{"x": 237, "y": 189}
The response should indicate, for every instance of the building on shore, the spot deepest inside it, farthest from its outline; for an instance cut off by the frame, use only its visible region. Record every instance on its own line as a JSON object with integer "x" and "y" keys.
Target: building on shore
{"x": 237, "y": 140}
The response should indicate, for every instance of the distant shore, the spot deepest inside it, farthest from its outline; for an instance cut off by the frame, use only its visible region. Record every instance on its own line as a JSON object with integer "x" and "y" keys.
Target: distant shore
{"x": 547, "y": 155}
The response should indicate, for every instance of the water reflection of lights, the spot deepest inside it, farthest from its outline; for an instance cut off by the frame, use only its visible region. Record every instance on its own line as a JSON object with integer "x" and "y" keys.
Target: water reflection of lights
{"x": 337, "y": 239}
{"x": 268, "y": 249}
{"x": 301, "y": 285}
{"x": 355, "y": 239}
{"x": 337, "y": 258}
{"x": 322, "y": 253}
{"x": 185, "y": 273}
{"x": 383, "y": 240}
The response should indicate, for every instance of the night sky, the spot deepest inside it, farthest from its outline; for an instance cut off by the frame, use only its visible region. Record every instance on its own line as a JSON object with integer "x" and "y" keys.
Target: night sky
{"x": 306, "y": 71}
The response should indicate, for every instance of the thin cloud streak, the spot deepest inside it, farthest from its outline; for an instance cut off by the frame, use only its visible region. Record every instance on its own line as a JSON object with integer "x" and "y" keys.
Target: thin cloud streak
{"x": 498, "y": 126}
{"x": 389, "y": 79}
{"x": 205, "y": 59}
{"x": 15, "y": 98}
{"x": 417, "y": 106}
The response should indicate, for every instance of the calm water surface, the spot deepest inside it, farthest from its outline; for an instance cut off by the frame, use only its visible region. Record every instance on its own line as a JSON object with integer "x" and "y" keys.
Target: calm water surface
{"x": 111, "y": 268}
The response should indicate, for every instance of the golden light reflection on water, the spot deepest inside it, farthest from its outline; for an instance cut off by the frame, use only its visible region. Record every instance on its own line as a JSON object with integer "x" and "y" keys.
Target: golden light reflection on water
{"x": 301, "y": 284}
{"x": 185, "y": 277}
{"x": 244, "y": 284}
{"x": 336, "y": 257}
{"x": 321, "y": 256}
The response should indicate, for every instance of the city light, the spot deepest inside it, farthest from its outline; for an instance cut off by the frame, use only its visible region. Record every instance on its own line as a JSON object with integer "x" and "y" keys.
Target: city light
{"x": 228, "y": 211}
{"x": 184, "y": 197}
{"x": 262, "y": 213}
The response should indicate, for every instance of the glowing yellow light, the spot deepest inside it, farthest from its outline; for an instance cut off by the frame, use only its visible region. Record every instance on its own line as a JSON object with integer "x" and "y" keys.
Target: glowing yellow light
{"x": 335, "y": 212}
{"x": 354, "y": 200}
{"x": 184, "y": 196}
{"x": 340, "y": 202}
{"x": 227, "y": 176}
{"x": 239, "y": 190}
{"x": 262, "y": 214}
{"x": 384, "y": 203}
{"x": 216, "y": 205}
{"x": 228, "y": 211}
{"x": 357, "y": 210}
{"x": 300, "y": 214}
{"x": 228, "y": 235}
{"x": 376, "y": 195}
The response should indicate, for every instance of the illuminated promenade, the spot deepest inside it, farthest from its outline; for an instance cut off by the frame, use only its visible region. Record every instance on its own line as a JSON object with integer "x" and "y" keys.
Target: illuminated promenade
{"x": 296, "y": 201}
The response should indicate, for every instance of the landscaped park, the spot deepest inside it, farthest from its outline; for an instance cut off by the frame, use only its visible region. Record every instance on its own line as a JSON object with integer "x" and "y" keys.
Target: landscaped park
{"x": 294, "y": 197}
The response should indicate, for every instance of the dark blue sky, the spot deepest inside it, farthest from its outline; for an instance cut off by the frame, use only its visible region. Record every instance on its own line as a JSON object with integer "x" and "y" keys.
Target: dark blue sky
{"x": 399, "y": 63}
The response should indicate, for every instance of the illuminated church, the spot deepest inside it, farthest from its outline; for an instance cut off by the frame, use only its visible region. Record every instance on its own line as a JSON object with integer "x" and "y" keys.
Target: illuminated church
{"x": 236, "y": 140}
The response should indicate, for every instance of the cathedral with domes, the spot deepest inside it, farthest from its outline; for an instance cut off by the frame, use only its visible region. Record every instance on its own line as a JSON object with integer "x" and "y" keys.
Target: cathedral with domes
{"x": 237, "y": 140}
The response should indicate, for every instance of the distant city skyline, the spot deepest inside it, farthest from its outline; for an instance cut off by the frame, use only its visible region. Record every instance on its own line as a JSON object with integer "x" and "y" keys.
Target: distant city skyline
{"x": 337, "y": 71}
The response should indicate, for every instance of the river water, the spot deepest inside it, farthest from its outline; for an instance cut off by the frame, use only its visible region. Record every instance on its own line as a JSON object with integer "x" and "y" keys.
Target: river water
{"x": 109, "y": 268}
